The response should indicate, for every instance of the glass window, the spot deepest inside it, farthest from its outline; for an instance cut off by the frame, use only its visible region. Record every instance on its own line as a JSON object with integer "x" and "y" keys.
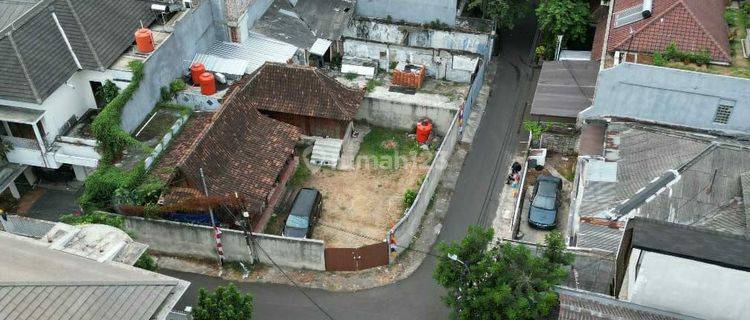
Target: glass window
{"x": 546, "y": 203}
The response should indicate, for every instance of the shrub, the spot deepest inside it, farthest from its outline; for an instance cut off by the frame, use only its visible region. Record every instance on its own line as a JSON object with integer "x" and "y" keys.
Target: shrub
{"x": 659, "y": 59}
{"x": 393, "y": 65}
{"x": 409, "y": 197}
{"x": 102, "y": 184}
{"x": 371, "y": 84}
{"x": 106, "y": 126}
{"x": 107, "y": 92}
{"x": 350, "y": 76}
{"x": 177, "y": 86}
{"x": 96, "y": 217}
{"x": 146, "y": 262}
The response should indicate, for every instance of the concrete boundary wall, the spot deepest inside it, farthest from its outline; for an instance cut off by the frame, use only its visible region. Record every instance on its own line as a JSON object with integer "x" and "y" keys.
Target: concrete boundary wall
{"x": 193, "y": 33}
{"x": 402, "y": 115}
{"x": 406, "y": 229}
{"x": 197, "y": 241}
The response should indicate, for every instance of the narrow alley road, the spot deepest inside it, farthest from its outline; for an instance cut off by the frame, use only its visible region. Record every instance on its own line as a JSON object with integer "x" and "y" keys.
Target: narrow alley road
{"x": 474, "y": 202}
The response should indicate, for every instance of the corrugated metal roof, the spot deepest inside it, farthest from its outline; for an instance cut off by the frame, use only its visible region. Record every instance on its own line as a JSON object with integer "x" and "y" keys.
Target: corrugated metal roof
{"x": 255, "y": 51}
{"x": 599, "y": 237}
{"x": 320, "y": 47}
{"x": 222, "y": 65}
{"x": 565, "y": 88}
{"x": 55, "y": 301}
{"x": 579, "y": 304}
{"x": 326, "y": 152}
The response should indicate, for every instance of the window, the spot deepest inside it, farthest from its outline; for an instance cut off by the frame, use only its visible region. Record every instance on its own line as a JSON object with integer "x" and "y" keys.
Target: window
{"x": 234, "y": 34}
{"x": 723, "y": 112}
{"x": 629, "y": 15}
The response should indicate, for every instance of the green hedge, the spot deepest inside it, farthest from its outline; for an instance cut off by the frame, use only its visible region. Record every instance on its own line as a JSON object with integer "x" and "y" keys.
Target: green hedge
{"x": 102, "y": 184}
{"x": 671, "y": 53}
{"x": 106, "y": 126}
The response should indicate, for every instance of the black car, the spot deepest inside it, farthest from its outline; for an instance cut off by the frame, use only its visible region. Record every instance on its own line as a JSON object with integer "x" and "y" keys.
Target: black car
{"x": 304, "y": 214}
{"x": 545, "y": 202}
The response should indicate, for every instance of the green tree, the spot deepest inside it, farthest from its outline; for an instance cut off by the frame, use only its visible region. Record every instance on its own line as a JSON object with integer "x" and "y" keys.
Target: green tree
{"x": 564, "y": 17}
{"x": 506, "y": 13}
{"x": 225, "y": 303}
{"x": 107, "y": 92}
{"x": 504, "y": 281}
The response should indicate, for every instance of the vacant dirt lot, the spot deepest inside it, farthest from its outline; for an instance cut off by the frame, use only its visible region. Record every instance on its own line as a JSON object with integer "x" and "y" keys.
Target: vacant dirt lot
{"x": 366, "y": 202}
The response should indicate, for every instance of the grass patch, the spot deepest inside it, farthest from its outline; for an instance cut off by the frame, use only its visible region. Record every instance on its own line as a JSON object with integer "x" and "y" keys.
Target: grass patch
{"x": 387, "y": 143}
{"x": 301, "y": 174}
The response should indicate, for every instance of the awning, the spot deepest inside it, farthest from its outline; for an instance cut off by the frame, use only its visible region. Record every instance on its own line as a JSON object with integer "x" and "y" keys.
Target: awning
{"x": 20, "y": 115}
{"x": 320, "y": 47}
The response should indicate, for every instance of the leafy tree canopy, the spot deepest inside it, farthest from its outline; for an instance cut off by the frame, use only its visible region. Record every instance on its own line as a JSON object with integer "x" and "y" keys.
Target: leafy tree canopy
{"x": 503, "y": 281}
{"x": 225, "y": 303}
{"x": 506, "y": 13}
{"x": 564, "y": 17}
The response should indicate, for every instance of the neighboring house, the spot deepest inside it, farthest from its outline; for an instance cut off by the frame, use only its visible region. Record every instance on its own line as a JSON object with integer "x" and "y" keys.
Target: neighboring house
{"x": 673, "y": 97}
{"x": 54, "y": 54}
{"x": 685, "y": 177}
{"x": 238, "y": 16}
{"x": 412, "y": 11}
{"x": 565, "y": 88}
{"x": 313, "y": 26}
{"x": 305, "y": 97}
{"x": 579, "y": 304}
{"x": 456, "y": 54}
{"x": 39, "y": 282}
{"x": 684, "y": 269}
{"x": 242, "y": 153}
{"x": 648, "y": 26}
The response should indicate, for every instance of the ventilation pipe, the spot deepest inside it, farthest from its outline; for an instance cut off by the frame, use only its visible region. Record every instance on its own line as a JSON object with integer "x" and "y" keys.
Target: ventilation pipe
{"x": 647, "y": 7}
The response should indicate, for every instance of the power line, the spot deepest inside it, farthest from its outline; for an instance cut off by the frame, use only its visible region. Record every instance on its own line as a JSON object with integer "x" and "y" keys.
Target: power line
{"x": 252, "y": 239}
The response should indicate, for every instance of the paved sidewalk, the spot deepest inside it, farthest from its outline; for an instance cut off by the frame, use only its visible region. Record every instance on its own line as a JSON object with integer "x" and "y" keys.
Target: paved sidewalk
{"x": 503, "y": 222}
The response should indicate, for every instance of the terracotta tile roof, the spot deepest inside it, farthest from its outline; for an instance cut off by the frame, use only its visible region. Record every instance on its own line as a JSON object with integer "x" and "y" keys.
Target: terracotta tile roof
{"x": 241, "y": 151}
{"x": 692, "y": 25}
{"x": 299, "y": 90}
{"x": 181, "y": 145}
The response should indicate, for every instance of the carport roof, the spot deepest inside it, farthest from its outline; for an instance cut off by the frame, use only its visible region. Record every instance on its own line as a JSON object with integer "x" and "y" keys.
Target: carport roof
{"x": 565, "y": 88}
{"x": 20, "y": 115}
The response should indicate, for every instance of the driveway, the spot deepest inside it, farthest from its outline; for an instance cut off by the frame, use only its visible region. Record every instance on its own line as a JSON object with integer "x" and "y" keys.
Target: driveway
{"x": 474, "y": 202}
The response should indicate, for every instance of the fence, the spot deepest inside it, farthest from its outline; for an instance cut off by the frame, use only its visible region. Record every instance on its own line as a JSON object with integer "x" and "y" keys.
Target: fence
{"x": 476, "y": 86}
{"x": 197, "y": 241}
{"x": 405, "y": 229}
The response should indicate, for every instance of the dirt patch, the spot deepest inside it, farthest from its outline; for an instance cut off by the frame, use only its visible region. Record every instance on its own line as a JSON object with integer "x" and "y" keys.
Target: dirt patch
{"x": 360, "y": 206}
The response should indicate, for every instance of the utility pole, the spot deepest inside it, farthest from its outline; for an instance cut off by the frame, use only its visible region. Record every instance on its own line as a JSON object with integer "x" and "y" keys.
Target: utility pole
{"x": 248, "y": 224}
{"x": 217, "y": 231}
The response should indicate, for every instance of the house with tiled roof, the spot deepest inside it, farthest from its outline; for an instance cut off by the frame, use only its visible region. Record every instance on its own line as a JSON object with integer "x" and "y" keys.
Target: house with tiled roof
{"x": 636, "y": 27}
{"x": 244, "y": 157}
{"x": 302, "y": 96}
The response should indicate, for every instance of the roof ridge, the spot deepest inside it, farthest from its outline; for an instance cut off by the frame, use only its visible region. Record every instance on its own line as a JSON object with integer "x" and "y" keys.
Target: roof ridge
{"x": 705, "y": 30}
{"x": 329, "y": 92}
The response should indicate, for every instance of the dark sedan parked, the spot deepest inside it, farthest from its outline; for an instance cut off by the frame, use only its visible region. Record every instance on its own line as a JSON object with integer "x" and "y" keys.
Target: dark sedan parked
{"x": 305, "y": 212}
{"x": 545, "y": 202}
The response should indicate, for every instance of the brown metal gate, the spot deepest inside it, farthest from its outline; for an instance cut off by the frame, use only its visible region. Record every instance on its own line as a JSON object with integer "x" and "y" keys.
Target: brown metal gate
{"x": 355, "y": 259}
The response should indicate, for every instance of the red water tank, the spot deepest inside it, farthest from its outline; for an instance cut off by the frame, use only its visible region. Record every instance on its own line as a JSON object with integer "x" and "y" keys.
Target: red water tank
{"x": 144, "y": 40}
{"x": 196, "y": 70}
{"x": 424, "y": 128}
{"x": 208, "y": 83}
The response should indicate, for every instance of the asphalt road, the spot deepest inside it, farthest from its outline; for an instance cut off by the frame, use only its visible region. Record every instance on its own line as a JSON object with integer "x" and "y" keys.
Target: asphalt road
{"x": 474, "y": 202}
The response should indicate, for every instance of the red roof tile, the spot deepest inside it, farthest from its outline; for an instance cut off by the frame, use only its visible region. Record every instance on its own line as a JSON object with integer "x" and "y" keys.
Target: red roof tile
{"x": 692, "y": 25}
{"x": 299, "y": 90}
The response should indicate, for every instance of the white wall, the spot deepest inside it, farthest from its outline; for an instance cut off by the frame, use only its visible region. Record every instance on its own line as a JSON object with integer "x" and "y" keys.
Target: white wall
{"x": 72, "y": 98}
{"x": 439, "y": 63}
{"x": 691, "y": 288}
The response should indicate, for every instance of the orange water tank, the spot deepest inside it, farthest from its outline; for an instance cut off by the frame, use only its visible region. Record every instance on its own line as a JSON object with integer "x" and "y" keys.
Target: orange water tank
{"x": 196, "y": 70}
{"x": 424, "y": 128}
{"x": 208, "y": 83}
{"x": 144, "y": 40}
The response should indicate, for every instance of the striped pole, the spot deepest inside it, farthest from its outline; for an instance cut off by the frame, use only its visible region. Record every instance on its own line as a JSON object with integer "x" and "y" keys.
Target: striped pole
{"x": 217, "y": 230}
